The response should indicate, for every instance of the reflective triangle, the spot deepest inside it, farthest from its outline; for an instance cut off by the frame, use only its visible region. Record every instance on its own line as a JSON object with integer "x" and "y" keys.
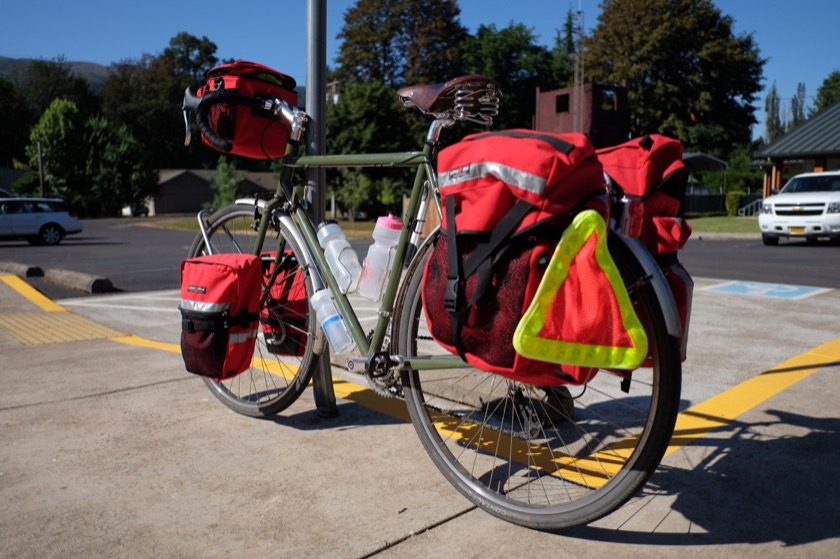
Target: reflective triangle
{"x": 581, "y": 313}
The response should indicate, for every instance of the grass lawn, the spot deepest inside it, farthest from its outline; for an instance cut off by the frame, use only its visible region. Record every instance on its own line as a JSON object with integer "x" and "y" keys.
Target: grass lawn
{"x": 723, "y": 224}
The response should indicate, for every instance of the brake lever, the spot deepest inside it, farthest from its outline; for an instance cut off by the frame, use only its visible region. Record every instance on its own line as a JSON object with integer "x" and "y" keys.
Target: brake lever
{"x": 188, "y": 129}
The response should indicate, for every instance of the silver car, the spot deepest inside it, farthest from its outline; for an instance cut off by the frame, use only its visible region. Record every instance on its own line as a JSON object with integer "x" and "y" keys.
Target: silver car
{"x": 41, "y": 221}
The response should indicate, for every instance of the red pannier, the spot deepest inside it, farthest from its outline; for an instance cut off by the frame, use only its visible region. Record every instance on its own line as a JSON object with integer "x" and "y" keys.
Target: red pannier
{"x": 507, "y": 197}
{"x": 220, "y": 298}
{"x": 284, "y": 311}
{"x": 649, "y": 175}
{"x": 254, "y": 133}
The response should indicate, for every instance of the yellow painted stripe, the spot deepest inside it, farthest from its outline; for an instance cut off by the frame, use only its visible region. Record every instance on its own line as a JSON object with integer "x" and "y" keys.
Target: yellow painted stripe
{"x": 726, "y": 406}
{"x": 31, "y": 294}
{"x": 143, "y": 342}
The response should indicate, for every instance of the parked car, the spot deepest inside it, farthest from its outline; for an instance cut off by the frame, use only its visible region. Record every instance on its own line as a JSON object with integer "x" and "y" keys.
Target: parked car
{"x": 41, "y": 221}
{"x": 135, "y": 210}
{"x": 808, "y": 207}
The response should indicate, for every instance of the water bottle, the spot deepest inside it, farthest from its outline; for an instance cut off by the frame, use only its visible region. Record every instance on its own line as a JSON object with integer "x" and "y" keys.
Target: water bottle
{"x": 341, "y": 257}
{"x": 334, "y": 328}
{"x": 380, "y": 257}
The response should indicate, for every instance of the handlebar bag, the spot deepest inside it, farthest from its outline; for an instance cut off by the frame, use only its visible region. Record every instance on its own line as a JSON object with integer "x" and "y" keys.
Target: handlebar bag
{"x": 283, "y": 314}
{"x": 508, "y": 196}
{"x": 220, "y": 298}
{"x": 648, "y": 174}
{"x": 254, "y": 133}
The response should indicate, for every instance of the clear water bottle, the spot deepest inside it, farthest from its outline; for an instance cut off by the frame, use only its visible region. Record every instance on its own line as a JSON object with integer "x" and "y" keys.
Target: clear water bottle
{"x": 380, "y": 257}
{"x": 334, "y": 328}
{"x": 341, "y": 257}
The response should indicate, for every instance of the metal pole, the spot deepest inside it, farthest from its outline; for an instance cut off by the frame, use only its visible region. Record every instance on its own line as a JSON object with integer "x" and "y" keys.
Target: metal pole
{"x": 316, "y": 139}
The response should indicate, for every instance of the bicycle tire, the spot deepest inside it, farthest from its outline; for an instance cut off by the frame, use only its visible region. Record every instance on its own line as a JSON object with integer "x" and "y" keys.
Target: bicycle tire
{"x": 274, "y": 381}
{"x": 601, "y": 443}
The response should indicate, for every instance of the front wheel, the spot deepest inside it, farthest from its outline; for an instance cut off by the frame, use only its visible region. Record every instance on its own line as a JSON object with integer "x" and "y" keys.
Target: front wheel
{"x": 283, "y": 359}
{"x": 545, "y": 458}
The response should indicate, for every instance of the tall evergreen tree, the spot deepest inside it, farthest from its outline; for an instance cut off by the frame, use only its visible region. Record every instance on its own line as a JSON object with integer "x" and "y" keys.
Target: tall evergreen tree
{"x": 688, "y": 75}
{"x": 797, "y": 107}
{"x": 773, "y": 125}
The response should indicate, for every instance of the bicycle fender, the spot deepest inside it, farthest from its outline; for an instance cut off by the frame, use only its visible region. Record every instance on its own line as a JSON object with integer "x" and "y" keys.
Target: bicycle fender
{"x": 660, "y": 284}
{"x": 320, "y": 340}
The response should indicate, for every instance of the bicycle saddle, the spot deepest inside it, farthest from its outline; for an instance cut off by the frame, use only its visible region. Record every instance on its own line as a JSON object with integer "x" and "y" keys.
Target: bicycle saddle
{"x": 443, "y": 97}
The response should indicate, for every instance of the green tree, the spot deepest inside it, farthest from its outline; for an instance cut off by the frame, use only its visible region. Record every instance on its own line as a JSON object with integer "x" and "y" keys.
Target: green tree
{"x": 400, "y": 42}
{"x": 118, "y": 168}
{"x": 226, "y": 183}
{"x": 739, "y": 175}
{"x": 512, "y": 57}
{"x": 16, "y": 120}
{"x": 60, "y": 133}
{"x": 797, "y": 107}
{"x": 829, "y": 92}
{"x": 39, "y": 82}
{"x": 687, "y": 74}
{"x": 371, "y": 44}
{"x": 367, "y": 118}
{"x": 146, "y": 95}
{"x": 433, "y": 37}
{"x": 564, "y": 52}
{"x": 773, "y": 126}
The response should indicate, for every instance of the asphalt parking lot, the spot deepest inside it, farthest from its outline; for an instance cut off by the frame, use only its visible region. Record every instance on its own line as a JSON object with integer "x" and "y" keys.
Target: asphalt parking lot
{"x": 111, "y": 450}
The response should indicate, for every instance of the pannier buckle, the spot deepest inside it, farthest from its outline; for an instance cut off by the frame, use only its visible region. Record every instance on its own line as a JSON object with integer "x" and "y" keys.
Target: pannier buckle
{"x": 450, "y": 296}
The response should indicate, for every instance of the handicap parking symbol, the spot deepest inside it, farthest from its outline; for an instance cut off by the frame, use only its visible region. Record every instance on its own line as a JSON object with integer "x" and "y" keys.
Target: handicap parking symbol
{"x": 760, "y": 289}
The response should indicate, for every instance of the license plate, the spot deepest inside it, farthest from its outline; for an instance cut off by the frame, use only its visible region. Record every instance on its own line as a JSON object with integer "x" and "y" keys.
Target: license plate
{"x": 797, "y": 230}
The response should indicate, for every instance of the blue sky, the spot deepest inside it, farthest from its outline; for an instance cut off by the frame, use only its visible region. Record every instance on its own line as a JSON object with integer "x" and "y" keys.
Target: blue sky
{"x": 801, "y": 39}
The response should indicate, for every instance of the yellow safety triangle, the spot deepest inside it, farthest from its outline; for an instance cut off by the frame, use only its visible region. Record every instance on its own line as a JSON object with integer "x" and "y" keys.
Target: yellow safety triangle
{"x": 581, "y": 313}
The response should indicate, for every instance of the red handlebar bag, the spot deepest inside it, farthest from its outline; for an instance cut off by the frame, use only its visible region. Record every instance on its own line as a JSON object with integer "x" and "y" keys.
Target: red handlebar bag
{"x": 254, "y": 133}
{"x": 220, "y": 300}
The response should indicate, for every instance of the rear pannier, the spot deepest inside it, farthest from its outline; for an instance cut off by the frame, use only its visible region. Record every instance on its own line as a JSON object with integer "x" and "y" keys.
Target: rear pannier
{"x": 508, "y": 197}
{"x": 649, "y": 177}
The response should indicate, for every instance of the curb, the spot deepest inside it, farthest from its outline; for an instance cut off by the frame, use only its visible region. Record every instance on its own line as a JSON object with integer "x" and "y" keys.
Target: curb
{"x": 22, "y": 270}
{"x": 63, "y": 278}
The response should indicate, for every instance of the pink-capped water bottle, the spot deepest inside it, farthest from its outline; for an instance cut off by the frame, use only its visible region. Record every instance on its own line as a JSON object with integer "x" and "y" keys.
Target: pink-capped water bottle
{"x": 380, "y": 257}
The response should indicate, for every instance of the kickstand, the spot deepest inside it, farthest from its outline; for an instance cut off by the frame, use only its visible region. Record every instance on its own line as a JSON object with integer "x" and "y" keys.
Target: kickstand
{"x": 323, "y": 387}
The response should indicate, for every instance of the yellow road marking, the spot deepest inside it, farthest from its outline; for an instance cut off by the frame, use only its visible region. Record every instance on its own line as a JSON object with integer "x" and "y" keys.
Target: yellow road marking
{"x": 31, "y": 294}
{"x": 726, "y": 406}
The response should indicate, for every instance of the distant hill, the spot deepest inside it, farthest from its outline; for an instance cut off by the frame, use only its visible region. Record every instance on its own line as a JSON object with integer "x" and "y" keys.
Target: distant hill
{"x": 95, "y": 74}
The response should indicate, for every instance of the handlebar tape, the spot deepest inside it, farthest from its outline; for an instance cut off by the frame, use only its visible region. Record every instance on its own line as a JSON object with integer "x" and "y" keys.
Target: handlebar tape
{"x": 201, "y": 107}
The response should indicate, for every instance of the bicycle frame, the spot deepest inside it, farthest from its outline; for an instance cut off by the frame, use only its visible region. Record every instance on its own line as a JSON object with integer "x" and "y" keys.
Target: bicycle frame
{"x": 423, "y": 192}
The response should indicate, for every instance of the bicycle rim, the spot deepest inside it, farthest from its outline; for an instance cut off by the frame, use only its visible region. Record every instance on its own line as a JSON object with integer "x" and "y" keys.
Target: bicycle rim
{"x": 545, "y": 458}
{"x": 283, "y": 359}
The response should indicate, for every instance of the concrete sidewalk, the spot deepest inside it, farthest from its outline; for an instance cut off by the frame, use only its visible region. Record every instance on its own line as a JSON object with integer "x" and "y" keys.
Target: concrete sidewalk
{"x": 112, "y": 450}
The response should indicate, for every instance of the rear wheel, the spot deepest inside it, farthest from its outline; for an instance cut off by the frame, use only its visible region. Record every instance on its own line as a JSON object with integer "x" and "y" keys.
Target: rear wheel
{"x": 50, "y": 234}
{"x": 283, "y": 359}
{"x": 545, "y": 458}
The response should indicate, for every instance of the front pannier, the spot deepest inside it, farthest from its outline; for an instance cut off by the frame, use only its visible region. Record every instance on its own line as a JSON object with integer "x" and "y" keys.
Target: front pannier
{"x": 507, "y": 197}
{"x": 220, "y": 298}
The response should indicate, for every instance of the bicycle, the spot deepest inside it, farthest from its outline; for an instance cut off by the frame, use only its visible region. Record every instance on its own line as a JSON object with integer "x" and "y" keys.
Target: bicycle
{"x": 538, "y": 457}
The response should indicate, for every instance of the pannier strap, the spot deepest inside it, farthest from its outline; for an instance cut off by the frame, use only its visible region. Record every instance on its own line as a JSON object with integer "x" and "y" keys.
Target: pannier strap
{"x": 456, "y": 275}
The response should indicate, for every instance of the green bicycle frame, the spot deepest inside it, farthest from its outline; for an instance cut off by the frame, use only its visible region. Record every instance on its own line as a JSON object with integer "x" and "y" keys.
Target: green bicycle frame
{"x": 286, "y": 194}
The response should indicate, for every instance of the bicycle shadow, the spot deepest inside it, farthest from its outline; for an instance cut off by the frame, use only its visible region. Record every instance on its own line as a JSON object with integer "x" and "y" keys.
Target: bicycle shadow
{"x": 751, "y": 489}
